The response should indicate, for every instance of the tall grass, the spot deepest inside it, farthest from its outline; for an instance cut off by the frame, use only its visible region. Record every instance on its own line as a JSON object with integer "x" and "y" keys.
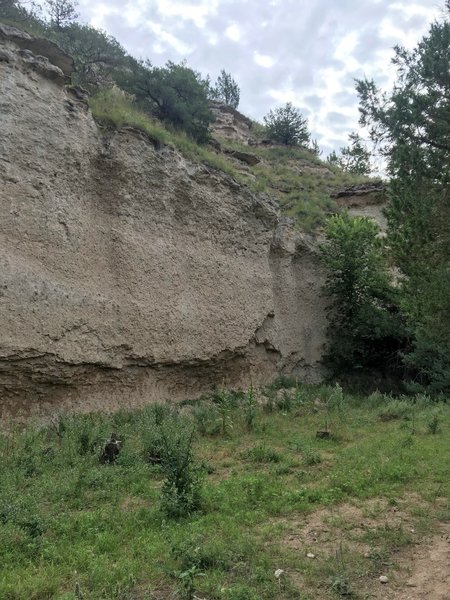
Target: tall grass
{"x": 72, "y": 527}
{"x": 114, "y": 108}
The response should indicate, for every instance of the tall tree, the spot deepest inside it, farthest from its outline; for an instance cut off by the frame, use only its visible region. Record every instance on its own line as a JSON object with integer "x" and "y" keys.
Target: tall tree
{"x": 354, "y": 158}
{"x": 365, "y": 330}
{"x": 286, "y": 125}
{"x": 226, "y": 90}
{"x": 62, "y": 12}
{"x": 411, "y": 124}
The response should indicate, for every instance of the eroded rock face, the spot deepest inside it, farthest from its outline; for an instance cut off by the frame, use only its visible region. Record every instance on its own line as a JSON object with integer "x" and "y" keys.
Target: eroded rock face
{"x": 365, "y": 200}
{"x": 43, "y": 50}
{"x": 129, "y": 275}
{"x": 230, "y": 123}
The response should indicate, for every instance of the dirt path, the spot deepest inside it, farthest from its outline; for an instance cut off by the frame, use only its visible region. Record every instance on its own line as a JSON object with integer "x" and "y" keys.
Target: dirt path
{"x": 423, "y": 573}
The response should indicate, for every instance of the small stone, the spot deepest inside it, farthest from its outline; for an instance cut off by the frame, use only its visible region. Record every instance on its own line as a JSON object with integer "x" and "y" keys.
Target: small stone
{"x": 310, "y": 555}
{"x": 383, "y": 579}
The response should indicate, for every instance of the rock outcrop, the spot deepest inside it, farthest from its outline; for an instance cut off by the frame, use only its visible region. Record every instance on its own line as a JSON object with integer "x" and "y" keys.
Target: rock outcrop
{"x": 365, "y": 200}
{"x": 231, "y": 124}
{"x": 129, "y": 274}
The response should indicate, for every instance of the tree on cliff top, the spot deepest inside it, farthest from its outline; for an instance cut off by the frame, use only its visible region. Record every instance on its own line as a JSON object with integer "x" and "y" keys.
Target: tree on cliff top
{"x": 226, "y": 90}
{"x": 18, "y": 11}
{"x": 354, "y": 158}
{"x": 95, "y": 53}
{"x": 175, "y": 94}
{"x": 62, "y": 12}
{"x": 286, "y": 125}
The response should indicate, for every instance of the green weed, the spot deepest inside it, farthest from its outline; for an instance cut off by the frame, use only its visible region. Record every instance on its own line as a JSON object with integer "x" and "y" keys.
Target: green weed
{"x": 262, "y": 454}
{"x": 178, "y": 498}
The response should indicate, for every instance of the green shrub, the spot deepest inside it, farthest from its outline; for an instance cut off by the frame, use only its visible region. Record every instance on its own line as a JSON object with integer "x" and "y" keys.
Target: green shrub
{"x": 262, "y": 454}
{"x": 396, "y": 409}
{"x": 365, "y": 328}
{"x": 286, "y": 125}
{"x": 206, "y": 418}
{"x": 433, "y": 424}
{"x": 181, "y": 490}
{"x": 174, "y": 94}
{"x": 225, "y": 402}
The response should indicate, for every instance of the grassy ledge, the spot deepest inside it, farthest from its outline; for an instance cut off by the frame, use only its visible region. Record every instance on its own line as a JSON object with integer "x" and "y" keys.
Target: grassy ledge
{"x": 114, "y": 108}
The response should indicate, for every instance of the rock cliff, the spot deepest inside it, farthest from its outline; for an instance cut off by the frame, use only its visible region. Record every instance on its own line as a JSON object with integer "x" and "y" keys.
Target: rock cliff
{"x": 129, "y": 274}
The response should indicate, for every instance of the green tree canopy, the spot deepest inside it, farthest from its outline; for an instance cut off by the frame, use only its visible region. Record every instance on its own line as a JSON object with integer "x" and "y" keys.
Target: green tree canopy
{"x": 411, "y": 125}
{"x": 175, "y": 94}
{"x": 95, "y": 53}
{"x": 61, "y": 12}
{"x": 365, "y": 330}
{"x": 20, "y": 12}
{"x": 226, "y": 90}
{"x": 286, "y": 125}
{"x": 10, "y": 9}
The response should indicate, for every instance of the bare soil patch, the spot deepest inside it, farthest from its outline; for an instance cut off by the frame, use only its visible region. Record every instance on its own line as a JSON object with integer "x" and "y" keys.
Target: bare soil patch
{"x": 322, "y": 530}
{"x": 418, "y": 568}
{"x": 422, "y": 571}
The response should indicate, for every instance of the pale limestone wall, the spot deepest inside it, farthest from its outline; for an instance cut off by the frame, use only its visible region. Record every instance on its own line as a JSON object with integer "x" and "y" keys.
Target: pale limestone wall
{"x": 129, "y": 275}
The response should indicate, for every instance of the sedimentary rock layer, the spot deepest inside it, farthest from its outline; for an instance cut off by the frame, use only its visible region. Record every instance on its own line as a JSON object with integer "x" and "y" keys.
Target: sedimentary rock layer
{"x": 128, "y": 274}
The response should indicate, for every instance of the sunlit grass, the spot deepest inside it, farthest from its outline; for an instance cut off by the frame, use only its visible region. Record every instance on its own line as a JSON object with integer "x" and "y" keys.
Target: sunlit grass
{"x": 116, "y": 109}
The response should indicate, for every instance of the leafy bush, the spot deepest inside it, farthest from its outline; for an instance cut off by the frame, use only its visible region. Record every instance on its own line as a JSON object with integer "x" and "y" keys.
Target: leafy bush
{"x": 174, "y": 94}
{"x": 365, "y": 327}
{"x": 225, "y": 403}
{"x": 287, "y": 126}
{"x": 181, "y": 490}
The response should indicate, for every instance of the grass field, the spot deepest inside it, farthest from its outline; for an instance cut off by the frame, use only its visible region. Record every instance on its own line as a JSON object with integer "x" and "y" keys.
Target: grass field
{"x": 268, "y": 493}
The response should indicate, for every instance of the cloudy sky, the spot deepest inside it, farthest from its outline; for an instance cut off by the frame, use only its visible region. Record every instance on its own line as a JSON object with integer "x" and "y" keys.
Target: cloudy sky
{"x": 304, "y": 51}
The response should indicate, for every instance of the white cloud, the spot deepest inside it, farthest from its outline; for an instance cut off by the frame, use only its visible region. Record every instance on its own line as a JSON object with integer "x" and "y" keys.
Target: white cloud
{"x": 279, "y": 51}
{"x": 344, "y": 50}
{"x": 195, "y": 12}
{"x": 263, "y": 60}
{"x": 233, "y": 32}
{"x": 170, "y": 40}
{"x": 101, "y": 12}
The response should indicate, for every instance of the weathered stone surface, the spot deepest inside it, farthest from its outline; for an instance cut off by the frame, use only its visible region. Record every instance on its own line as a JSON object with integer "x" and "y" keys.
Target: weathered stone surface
{"x": 365, "y": 200}
{"x": 246, "y": 157}
{"x": 361, "y": 194}
{"x": 38, "y": 46}
{"x": 230, "y": 123}
{"x": 128, "y": 274}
